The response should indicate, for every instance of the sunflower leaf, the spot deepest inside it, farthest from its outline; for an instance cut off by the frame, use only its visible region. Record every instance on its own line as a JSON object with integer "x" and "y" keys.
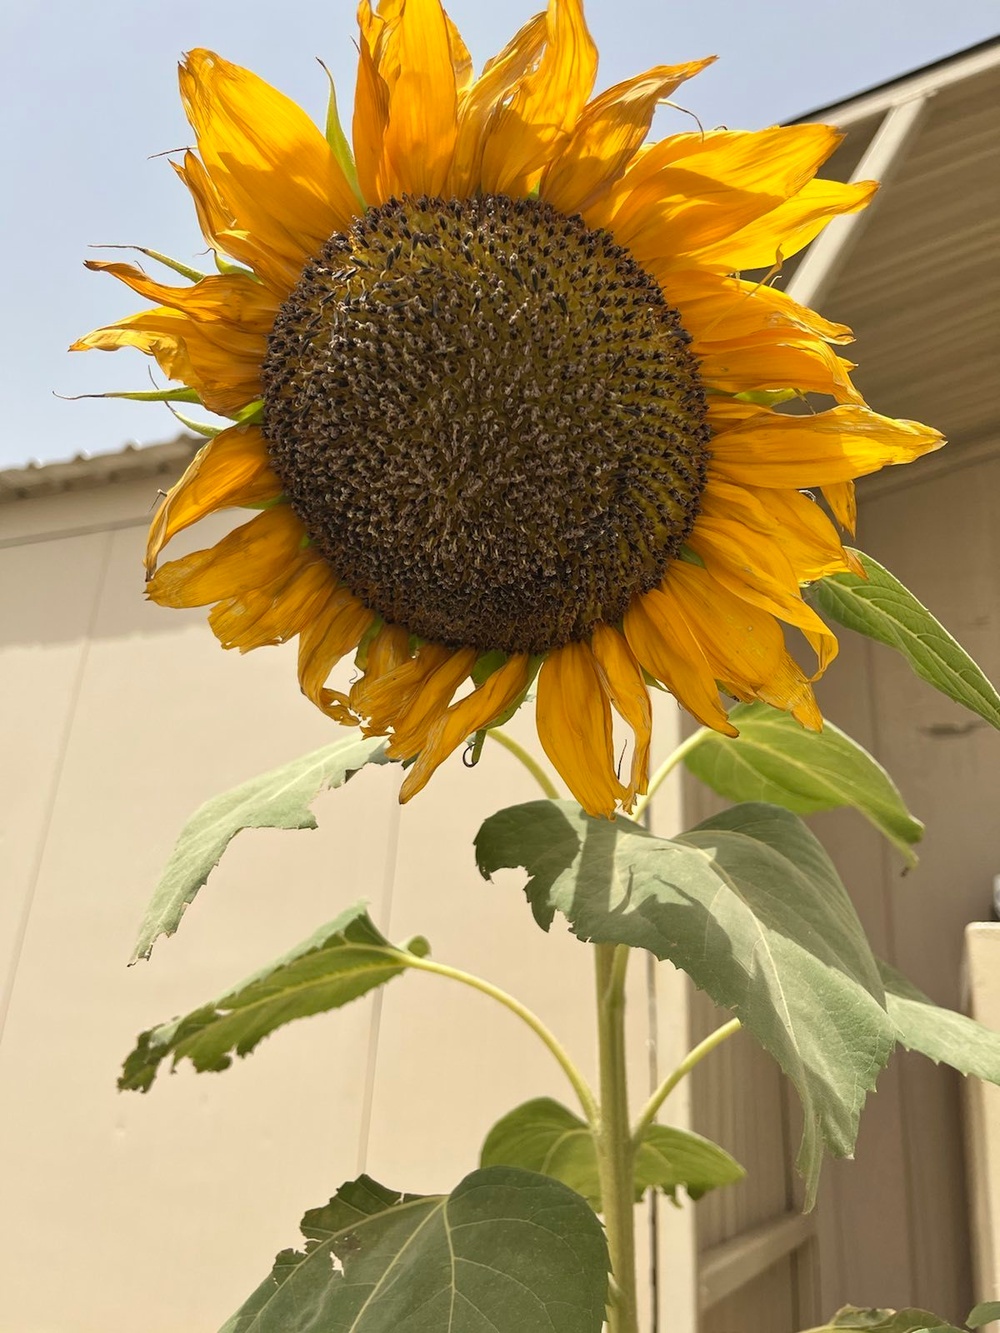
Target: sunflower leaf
{"x": 750, "y": 906}
{"x": 541, "y": 1135}
{"x": 984, "y": 1313}
{"x": 882, "y": 609}
{"x": 340, "y": 962}
{"x": 774, "y": 759}
{"x": 944, "y": 1036}
{"x": 506, "y": 1250}
{"x": 279, "y": 799}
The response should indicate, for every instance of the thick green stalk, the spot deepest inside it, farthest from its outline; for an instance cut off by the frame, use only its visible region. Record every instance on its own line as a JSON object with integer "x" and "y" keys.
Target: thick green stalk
{"x": 614, "y": 1139}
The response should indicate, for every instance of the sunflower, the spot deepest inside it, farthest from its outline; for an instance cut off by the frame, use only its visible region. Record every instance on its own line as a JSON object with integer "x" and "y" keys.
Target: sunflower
{"x": 500, "y": 399}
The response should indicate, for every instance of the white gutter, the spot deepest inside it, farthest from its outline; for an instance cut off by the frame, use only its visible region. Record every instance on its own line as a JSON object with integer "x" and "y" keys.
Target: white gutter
{"x": 827, "y": 255}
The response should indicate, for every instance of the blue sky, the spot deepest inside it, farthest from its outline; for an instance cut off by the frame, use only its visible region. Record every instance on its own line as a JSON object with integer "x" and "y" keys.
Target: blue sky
{"x": 89, "y": 94}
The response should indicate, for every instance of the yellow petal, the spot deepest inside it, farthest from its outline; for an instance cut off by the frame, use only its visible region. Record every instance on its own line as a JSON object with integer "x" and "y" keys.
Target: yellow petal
{"x": 693, "y": 190}
{"x": 773, "y": 238}
{"x": 759, "y": 447}
{"x": 388, "y": 649}
{"x": 270, "y": 165}
{"x": 221, "y": 363}
{"x": 718, "y": 306}
{"x": 724, "y": 499}
{"x": 463, "y": 719}
{"x": 621, "y": 677}
{"x": 760, "y": 571}
{"x": 545, "y": 104}
{"x": 743, "y": 643}
{"x": 251, "y": 556}
{"x": 663, "y": 643}
{"x": 329, "y": 635}
{"x": 840, "y": 496}
{"x": 371, "y": 109}
{"x": 259, "y": 617}
{"x": 479, "y": 106}
{"x": 231, "y": 298}
{"x": 776, "y": 360}
{"x": 389, "y": 698}
{"x": 608, "y": 134}
{"x": 806, "y": 535}
{"x": 420, "y": 134}
{"x": 220, "y": 230}
{"x": 573, "y": 717}
{"x": 232, "y": 469}
{"x": 410, "y": 729}
{"x": 461, "y": 58}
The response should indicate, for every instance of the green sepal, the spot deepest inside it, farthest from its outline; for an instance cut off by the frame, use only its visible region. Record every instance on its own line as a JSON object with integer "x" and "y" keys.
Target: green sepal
{"x": 228, "y": 269}
{"x": 185, "y": 270}
{"x": 767, "y": 397}
{"x": 361, "y": 656}
{"x": 250, "y": 415}
{"x": 175, "y": 395}
{"x": 338, "y": 141}
{"x": 486, "y": 664}
{"x": 199, "y": 427}
{"x": 690, "y": 557}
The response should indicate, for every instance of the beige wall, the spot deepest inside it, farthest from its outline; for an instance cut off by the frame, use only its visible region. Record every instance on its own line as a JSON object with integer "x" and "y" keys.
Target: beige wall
{"x": 936, "y": 528}
{"x": 118, "y": 719}
{"x": 982, "y": 1102}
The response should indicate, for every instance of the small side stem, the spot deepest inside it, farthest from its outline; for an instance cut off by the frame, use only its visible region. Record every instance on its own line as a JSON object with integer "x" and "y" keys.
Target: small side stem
{"x": 528, "y": 760}
{"x": 580, "y": 1086}
{"x": 612, "y": 1138}
{"x": 693, "y": 1057}
{"x": 667, "y": 767}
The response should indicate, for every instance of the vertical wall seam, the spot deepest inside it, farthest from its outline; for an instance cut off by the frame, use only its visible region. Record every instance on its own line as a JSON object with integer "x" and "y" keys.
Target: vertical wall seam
{"x": 375, "y": 1028}
{"x": 76, "y": 687}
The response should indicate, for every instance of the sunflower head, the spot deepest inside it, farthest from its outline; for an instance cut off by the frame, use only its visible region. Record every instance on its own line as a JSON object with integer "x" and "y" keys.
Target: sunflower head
{"x": 500, "y": 398}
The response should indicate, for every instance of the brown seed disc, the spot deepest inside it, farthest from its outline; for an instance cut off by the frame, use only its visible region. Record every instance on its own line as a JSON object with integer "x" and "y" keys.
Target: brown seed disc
{"x": 488, "y": 419}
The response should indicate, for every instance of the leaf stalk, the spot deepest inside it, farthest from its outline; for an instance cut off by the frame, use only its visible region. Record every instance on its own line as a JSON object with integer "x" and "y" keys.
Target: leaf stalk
{"x": 693, "y": 1057}
{"x": 666, "y": 768}
{"x": 587, "y": 1100}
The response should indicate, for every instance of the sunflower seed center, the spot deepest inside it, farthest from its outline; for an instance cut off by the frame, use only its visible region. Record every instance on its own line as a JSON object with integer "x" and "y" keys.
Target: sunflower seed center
{"x": 488, "y": 418}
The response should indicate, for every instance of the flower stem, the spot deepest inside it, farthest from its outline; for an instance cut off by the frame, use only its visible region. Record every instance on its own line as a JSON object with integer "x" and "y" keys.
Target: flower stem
{"x": 612, "y": 1138}
{"x": 580, "y": 1086}
{"x": 693, "y": 1057}
{"x": 667, "y": 767}
{"x": 530, "y": 763}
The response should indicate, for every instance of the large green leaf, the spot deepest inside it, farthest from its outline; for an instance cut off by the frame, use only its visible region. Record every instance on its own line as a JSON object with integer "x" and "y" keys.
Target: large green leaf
{"x": 343, "y": 960}
{"x": 985, "y": 1313}
{"x": 881, "y": 608}
{"x": 943, "y": 1035}
{"x": 750, "y": 906}
{"x": 542, "y": 1135}
{"x": 774, "y": 759}
{"x": 859, "y": 1320}
{"x": 279, "y": 799}
{"x": 507, "y": 1251}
